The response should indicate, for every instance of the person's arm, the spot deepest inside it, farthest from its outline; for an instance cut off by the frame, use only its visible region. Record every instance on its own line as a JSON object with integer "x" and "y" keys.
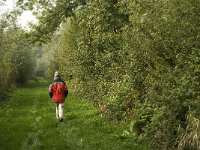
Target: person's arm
{"x": 50, "y": 91}
{"x": 66, "y": 91}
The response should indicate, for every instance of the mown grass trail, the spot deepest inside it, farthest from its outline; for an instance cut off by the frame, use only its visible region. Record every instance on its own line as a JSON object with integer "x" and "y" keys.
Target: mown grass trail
{"x": 27, "y": 122}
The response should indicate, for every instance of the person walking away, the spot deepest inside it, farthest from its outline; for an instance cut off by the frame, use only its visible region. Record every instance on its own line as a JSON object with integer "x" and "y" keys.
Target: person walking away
{"x": 58, "y": 92}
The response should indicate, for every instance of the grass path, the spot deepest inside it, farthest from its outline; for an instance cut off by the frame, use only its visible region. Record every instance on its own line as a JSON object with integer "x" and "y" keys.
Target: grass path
{"x": 27, "y": 122}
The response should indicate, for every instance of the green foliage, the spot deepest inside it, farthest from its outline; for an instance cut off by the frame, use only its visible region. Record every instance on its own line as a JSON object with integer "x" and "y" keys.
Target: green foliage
{"x": 16, "y": 58}
{"x": 50, "y": 14}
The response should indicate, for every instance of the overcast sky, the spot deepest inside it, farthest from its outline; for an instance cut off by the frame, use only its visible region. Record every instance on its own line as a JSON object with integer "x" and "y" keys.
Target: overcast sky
{"x": 24, "y": 19}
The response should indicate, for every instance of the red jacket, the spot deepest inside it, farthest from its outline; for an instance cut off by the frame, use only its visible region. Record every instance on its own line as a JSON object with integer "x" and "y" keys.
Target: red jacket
{"x": 58, "y": 91}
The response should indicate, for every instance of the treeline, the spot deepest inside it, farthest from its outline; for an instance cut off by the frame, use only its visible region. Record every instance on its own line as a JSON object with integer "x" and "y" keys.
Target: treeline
{"x": 137, "y": 61}
{"x": 16, "y": 57}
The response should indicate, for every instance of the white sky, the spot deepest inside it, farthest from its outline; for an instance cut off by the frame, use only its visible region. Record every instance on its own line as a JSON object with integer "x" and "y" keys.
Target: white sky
{"x": 24, "y": 19}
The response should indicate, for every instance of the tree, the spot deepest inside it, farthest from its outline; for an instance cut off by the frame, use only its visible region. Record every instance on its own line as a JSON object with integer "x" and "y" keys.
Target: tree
{"x": 15, "y": 59}
{"x": 50, "y": 14}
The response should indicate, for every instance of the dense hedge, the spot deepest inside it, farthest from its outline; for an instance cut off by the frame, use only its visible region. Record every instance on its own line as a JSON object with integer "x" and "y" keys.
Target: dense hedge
{"x": 16, "y": 57}
{"x": 138, "y": 61}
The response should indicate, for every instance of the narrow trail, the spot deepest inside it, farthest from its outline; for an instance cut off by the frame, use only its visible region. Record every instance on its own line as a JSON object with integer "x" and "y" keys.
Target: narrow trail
{"x": 27, "y": 122}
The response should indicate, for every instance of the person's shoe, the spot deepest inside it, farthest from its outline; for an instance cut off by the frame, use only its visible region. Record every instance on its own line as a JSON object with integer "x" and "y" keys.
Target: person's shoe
{"x": 61, "y": 119}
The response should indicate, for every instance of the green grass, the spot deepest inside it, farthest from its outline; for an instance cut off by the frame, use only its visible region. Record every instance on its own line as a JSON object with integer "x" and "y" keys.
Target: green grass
{"x": 27, "y": 122}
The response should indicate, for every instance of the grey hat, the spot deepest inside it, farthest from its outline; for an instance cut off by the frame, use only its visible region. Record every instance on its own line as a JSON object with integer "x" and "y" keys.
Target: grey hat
{"x": 56, "y": 74}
